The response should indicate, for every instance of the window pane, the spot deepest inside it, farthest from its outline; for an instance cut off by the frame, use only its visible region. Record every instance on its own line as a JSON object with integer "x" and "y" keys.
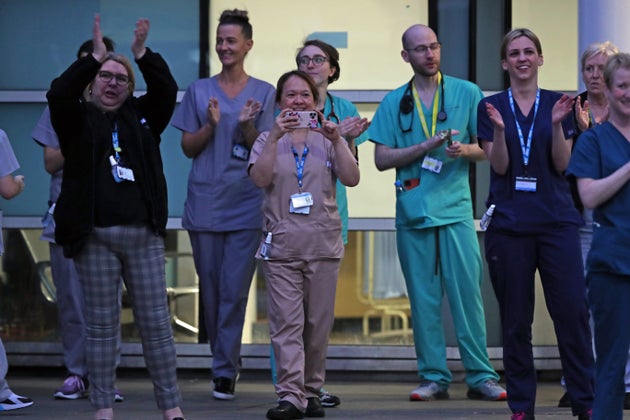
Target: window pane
{"x": 44, "y": 40}
{"x": 454, "y": 33}
{"x": 490, "y": 31}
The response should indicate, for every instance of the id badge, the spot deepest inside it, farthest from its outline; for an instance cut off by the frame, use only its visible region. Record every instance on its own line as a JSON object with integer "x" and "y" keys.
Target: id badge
{"x": 125, "y": 173}
{"x": 240, "y": 152}
{"x": 432, "y": 164}
{"x": 527, "y": 184}
{"x": 301, "y": 203}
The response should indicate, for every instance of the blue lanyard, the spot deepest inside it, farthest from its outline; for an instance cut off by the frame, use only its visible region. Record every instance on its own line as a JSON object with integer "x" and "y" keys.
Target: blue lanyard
{"x": 299, "y": 164}
{"x": 525, "y": 147}
{"x": 117, "y": 148}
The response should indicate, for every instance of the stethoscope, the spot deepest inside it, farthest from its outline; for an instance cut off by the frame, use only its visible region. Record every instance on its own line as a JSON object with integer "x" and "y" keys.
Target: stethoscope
{"x": 406, "y": 106}
{"x": 331, "y": 115}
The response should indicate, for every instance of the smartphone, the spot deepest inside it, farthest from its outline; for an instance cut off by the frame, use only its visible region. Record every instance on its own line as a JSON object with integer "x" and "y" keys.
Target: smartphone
{"x": 307, "y": 119}
{"x": 446, "y": 135}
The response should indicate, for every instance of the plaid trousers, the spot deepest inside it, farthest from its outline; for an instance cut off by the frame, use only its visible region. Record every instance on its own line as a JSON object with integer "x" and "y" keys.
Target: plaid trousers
{"x": 135, "y": 255}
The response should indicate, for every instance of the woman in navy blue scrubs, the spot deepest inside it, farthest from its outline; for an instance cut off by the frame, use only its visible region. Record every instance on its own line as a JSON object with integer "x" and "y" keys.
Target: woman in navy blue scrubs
{"x": 526, "y": 133}
{"x": 601, "y": 163}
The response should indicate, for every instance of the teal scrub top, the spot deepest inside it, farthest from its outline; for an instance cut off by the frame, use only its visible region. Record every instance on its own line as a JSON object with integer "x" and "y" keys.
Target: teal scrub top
{"x": 343, "y": 109}
{"x": 440, "y": 198}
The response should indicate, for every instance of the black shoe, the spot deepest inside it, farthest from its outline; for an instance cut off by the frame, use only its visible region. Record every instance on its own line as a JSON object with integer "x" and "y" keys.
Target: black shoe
{"x": 314, "y": 408}
{"x": 328, "y": 400}
{"x": 284, "y": 411}
{"x": 626, "y": 401}
{"x": 565, "y": 401}
{"x": 587, "y": 415}
{"x": 223, "y": 388}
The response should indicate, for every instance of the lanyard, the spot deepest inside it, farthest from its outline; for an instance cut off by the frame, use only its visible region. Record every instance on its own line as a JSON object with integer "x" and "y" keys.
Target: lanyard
{"x": 525, "y": 146}
{"x": 591, "y": 118}
{"x": 434, "y": 114}
{"x": 117, "y": 148}
{"x": 299, "y": 164}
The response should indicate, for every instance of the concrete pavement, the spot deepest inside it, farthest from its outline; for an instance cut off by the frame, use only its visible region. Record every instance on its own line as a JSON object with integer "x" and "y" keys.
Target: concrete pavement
{"x": 361, "y": 398}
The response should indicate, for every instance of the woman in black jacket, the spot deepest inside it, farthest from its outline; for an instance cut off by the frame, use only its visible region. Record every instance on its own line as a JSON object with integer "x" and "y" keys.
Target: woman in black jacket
{"x": 112, "y": 210}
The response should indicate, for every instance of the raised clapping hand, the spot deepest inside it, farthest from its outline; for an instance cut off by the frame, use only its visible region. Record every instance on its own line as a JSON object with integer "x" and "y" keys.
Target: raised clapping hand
{"x": 100, "y": 51}
{"x": 249, "y": 110}
{"x": 214, "y": 112}
{"x": 495, "y": 116}
{"x": 561, "y": 109}
{"x": 353, "y": 127}
{"x": 581, "y": 114}
{"x": 141, "y": 32}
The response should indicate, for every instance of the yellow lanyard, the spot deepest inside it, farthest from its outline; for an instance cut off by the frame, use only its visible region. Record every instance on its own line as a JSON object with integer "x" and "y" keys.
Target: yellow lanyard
{"x": 436, "y": 99}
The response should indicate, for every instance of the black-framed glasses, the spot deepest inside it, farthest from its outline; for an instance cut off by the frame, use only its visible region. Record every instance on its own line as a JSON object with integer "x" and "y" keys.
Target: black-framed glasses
{"x": 106, "y": 76}
{"x": 317, "y": 60}
{"x": 422, "y": 49}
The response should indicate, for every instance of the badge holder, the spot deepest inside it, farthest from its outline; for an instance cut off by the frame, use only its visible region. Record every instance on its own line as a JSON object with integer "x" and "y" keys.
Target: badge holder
{"x": 301, "y": 203}
{"x": 527, "y": 184}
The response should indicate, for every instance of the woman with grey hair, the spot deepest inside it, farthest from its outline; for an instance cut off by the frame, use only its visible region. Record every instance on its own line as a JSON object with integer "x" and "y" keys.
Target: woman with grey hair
{"x": 592, "y": 106}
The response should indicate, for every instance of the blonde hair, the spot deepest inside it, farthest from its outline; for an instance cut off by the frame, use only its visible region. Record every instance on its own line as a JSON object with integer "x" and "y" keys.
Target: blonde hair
{"x": 124, "y": 61}
{"x": 517, "y": 33}
{"x": 614, "y": 63}
{"x": 607, "y": 48}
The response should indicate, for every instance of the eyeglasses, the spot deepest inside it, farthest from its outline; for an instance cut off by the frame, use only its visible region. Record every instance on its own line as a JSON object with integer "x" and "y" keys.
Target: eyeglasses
{"x": 121, "y": 79}
{"x": 422, "y": 49}
{"x": 317, "y": 60}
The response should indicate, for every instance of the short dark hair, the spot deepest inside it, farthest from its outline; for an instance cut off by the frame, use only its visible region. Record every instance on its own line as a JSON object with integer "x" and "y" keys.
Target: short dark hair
{"x": 331, "y": 53}
{"x": 302, "y": 75}
{"x": 237, "y": 17}
{"x": 88, "y": 47}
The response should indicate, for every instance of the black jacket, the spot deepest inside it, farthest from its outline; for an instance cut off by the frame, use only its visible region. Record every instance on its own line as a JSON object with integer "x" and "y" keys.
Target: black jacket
{"x": 85, "y": 134}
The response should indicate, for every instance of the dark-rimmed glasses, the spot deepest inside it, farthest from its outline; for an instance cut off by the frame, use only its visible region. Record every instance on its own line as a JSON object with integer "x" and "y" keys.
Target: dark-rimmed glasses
{"x": 121, "y": 79}
{"x": 317, "y": 60}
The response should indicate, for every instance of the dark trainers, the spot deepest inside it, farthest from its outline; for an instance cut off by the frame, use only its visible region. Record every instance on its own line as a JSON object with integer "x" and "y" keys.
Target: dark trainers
{"x": 522, "y": 416}
{"x": 223, "y": 388}
{"x": 489, "y": 390}
{"x": 73, "y": 388}
{"x": 565, "y": 401}
{"x": 284, "y": 411}
{"x": 428, "y": 391}
{"x": 314, "y": 408}
{"x": 14, "y": 402}
{"x": 328, "y": 400}
{"x": 626, "y": 401}
{"x": 587, "y": 415}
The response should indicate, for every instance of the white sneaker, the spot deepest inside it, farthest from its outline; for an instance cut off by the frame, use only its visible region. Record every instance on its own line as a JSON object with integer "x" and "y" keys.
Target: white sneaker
{"x": 14, "y": 402}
